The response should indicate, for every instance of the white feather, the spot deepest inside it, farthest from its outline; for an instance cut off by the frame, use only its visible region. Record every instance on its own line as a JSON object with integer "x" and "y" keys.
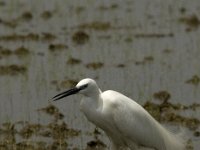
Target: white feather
{"x": 127, "y": 124}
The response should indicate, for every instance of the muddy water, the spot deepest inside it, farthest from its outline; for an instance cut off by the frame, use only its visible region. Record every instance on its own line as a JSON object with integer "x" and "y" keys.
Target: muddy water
{"x": 147, "y": 50}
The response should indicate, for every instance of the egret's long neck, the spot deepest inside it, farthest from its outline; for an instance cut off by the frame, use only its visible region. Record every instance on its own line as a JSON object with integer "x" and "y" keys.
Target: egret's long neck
{"x": 95, "y": 93}
{"x": 93, "y": 99}
{"x": 96, "y": 98}
{"x": 91, "y": 105}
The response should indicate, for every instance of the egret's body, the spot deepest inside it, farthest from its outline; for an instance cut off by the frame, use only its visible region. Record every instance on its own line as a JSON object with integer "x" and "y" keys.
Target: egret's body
{"x": 127, "y": 124}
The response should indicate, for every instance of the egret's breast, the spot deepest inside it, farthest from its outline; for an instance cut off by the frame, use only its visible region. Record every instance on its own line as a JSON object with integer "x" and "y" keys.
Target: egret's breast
{"x": 88, "y": 107}
{"x": 94, "y": 114}
{"x": 101, "y": 119}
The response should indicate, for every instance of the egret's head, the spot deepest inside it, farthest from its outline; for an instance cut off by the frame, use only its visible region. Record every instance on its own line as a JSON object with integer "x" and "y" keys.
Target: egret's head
{"x": 87, "y": 87}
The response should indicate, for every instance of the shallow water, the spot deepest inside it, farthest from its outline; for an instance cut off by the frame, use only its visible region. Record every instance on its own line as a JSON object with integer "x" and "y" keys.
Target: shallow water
{"x": 136, "y": 47}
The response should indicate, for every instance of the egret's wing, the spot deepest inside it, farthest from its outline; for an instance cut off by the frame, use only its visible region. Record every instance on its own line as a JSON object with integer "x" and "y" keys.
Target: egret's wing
{"x": 133, "y": 122}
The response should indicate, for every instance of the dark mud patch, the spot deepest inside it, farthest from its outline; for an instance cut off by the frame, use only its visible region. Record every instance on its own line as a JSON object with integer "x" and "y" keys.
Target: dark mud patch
{"x": 46, "y": 14}
{"x": 128, "y": 40}
{"x": 60, "y": 131}
{"x": 192, "y": 22}
{"x": 2, "y": 3}
{"x": 167, "y": 51}
{"x": 195, "y": 80}
{"x": 121, "y": 65}
{"x": 96, "y": 145}
{"x": 28, "y": 37}
{"x": 53, "y": 111}
{"x": 96, "y": 25}
{"x": 57, "y": 47}
{"x": 94, "y": 65}
{"x": 182, "y": 10}
{"x": 20, "y": 51}
{"x": 79, "y": 9}
{"x": 168, "y": 112}
{"x": 9, "y": 23}
{"x": 111, "y": 7}
{"x": 73, "y": 61}
{"x": 80, "y": 37}
{"x": 26, "y": 16}
{"x": 154, "y": 35}
{"x": 146, "y": 60}
{"x": 47, "y": 36}
{"x": 5, "y": 52}
{"x": 12, "y": 70}
{"x": 24, "y": 135}
{"x": 105, "y": 37}
{"x": 28, "y": 130}
{"x": 13, "y": 23}
{"x": 163, "y": 96}
{"x": 68, "y": 83}
{"x": 19, "y": 37}
{"x": 50, "y": 110}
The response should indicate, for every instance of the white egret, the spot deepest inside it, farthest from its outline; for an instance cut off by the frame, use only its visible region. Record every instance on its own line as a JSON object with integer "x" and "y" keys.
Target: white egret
{"x": 127, "y": 124}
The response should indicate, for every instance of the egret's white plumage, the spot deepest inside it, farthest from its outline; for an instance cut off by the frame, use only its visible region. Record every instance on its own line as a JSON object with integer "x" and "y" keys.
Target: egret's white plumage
{"x": 127, "y": 124}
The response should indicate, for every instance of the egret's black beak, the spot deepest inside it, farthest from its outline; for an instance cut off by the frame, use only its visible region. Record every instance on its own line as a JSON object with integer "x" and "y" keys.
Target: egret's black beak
{"x": 66, "y": 93}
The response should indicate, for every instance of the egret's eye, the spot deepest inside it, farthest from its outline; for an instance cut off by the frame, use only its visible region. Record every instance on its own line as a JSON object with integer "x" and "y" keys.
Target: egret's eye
{"x": 83, "y": 86}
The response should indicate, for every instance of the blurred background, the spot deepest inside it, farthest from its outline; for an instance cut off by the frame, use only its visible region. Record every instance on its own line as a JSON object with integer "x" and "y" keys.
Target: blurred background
{"x": 147, "y": 50}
